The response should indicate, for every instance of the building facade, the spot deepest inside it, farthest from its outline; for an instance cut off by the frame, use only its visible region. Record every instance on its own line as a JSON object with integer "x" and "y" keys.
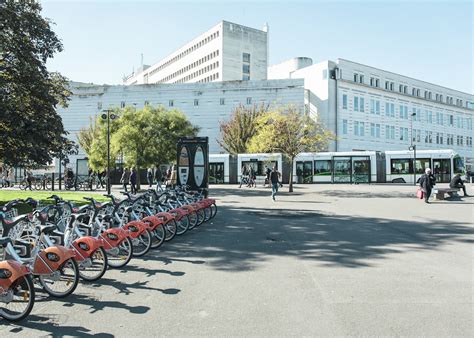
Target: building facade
{"x": 205, "y": 104}
{"x": 226, "y": 52}
{"x": 373, "y": 109}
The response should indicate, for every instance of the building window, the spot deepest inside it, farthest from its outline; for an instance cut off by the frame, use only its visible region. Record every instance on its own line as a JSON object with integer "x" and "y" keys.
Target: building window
{"x": 356, "y": 103}
{"x": 361, "y": 78}
{"x": 249, "y": 100}
{"x": 372, "y": 81}
{"x": 122, "y": 104}
{"x": 387, "y": 85}
{"x": 344, "y": 101}
{"x": 245, "y": 77}
{"x": 246, "y": 69}
{"x": 372, "y": 106}
{"x": 356, "y": 77}
{"x": 362, "y": 105}
{"x": 170, "y": 103}
{"x": 400, "y": 88}
{"x": 344, "y": 127}
{"x": 377, "y": 83}
{"x": 392, "y": 85}
{"x": 245, "y": 57}
{"x": 418, "y": 92}
{"x": 196, "y": 102}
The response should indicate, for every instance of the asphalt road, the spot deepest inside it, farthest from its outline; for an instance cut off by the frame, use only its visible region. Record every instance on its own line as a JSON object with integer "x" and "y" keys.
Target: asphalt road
{"x": 326, "y": 260}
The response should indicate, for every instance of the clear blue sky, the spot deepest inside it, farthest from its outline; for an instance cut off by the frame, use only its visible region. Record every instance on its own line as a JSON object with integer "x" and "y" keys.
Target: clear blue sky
{"x": 429, "y": 40}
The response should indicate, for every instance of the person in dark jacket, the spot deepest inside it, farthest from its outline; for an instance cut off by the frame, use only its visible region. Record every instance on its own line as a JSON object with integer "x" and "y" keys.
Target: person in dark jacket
{"x": 427, "y": 182}
{"x": 133, "y": 181}
{"x": 275, "y": 181}
{"x": 457, "y": 182}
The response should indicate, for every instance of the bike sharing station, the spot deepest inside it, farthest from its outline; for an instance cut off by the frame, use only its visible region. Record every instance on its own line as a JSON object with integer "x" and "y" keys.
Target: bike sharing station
{"x": 193, "y": 163}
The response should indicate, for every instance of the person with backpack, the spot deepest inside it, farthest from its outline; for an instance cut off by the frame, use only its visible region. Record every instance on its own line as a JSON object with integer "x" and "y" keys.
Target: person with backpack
{"x": 243, "y": 175}
{"x": 427, "y": 182}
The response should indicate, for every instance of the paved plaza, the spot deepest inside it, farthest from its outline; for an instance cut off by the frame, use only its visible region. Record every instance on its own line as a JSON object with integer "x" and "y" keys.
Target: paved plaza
{"x": 326, "y": 260}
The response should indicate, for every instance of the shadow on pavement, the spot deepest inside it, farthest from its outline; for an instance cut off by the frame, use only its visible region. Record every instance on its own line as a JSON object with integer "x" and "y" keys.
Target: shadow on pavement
{"x": 127, "y": 289}
{"x": 47, "y": 325}
{"x": 239, "y": 239}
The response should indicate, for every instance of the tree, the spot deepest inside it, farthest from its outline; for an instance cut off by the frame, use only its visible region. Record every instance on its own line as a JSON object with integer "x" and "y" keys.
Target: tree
{"x": 31, "y": 131}
{"x": 239, "y": 130}
{"x": 149, "y": 136}
{"x": 289, "y": 133}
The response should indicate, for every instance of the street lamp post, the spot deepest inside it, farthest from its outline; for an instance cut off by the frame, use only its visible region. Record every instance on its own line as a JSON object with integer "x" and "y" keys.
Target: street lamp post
{"x": 107, "y": 116}
{"x": 413, "y": 147}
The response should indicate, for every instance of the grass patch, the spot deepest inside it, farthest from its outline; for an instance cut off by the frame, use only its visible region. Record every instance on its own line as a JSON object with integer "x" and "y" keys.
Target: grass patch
{"x": 73, "y": 196}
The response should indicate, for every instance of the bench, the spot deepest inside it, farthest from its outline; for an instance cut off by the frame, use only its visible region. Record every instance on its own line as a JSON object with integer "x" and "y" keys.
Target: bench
{"x": 440, "y": 192}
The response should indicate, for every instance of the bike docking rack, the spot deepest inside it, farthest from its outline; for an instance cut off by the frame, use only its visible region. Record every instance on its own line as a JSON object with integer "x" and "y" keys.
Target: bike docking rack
{"x": 57, "y": 245}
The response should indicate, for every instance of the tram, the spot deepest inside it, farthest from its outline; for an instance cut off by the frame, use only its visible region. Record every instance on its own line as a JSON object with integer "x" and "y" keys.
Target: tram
{"x": 375, "y": 166}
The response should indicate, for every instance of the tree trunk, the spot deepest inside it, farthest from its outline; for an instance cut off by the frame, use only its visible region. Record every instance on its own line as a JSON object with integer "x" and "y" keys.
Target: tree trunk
{"x": 290, "y": 182}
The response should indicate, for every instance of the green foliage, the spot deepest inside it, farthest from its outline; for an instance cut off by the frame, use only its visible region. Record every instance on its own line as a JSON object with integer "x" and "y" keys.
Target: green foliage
{"x": 31, "y": 131}
{"x": 289, "y": 133}
{"x": 239, "y": 130}
{"x": 93, "y": 140}
{"x": 148, "y": 137}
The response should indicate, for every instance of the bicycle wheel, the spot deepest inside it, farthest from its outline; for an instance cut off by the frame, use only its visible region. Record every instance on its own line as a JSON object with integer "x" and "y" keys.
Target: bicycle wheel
{"x": 193, "y": 220}
{"x": 207, "y": 213}
{"x": 158, "y": 237}
{"x": 62, "y": 282}
{"x": 214, "y": 210}
{"x": 170, "y": 229}
{"x": 23, "y": 299}
{"x": 123, "y": 255}
{"x": 182, "y": 225}
{"x": 38, "y": 185}
{"x": 97, "y": 268}
{"x": 142, "y": 244}
{"x": 201, "y": 216}
{"x": 23, "y": 185}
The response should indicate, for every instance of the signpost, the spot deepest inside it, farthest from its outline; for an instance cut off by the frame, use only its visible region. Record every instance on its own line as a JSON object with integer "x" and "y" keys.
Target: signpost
{"x": 193, "y": 162}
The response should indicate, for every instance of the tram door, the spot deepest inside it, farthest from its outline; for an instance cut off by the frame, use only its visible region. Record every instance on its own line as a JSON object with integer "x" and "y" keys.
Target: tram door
{"x": 304, "y": 171}
{"x": 361, "y": 169}
{"x": 216, "y": 173}
{"x": 442, "y": 170}
{"x": 342, "y": 170}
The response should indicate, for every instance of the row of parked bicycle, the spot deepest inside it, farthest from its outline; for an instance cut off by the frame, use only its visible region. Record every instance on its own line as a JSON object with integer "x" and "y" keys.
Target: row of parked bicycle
{"x": 55, "y": 245}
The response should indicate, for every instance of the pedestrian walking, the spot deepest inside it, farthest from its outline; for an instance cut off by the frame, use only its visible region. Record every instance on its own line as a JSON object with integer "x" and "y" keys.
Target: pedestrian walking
{"x": 457, "y": 182}
{"x": 133, "y": 181}
{"x": 29, "y": 180}
{"x": 252, "y": 177}
{"x": 125, "y": 178}
{"x": 243, "y": 175}
{"x": 149, "y": 177}
{"x": 427, "y": 182}
{"x": 174, "y": 176}
{"x": 158, "y": 175}
{"x": 275, "y": 181}
{"x": 268, "y": 171}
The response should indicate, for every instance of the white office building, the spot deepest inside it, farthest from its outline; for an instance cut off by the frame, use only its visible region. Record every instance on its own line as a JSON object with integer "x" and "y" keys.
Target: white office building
{"x": 205, "y": 104}
{"x": 226, "y": 52}
{"x": 373, "y": 109}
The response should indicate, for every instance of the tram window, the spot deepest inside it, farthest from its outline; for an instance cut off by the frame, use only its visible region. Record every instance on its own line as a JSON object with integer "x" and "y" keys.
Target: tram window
{"x": 458, "y": 165}
{"x": 322, "y": 167}
{"x": 422, "y": 164}
{"x": 259, "y": 166}
{"x": 402, "y": 166}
